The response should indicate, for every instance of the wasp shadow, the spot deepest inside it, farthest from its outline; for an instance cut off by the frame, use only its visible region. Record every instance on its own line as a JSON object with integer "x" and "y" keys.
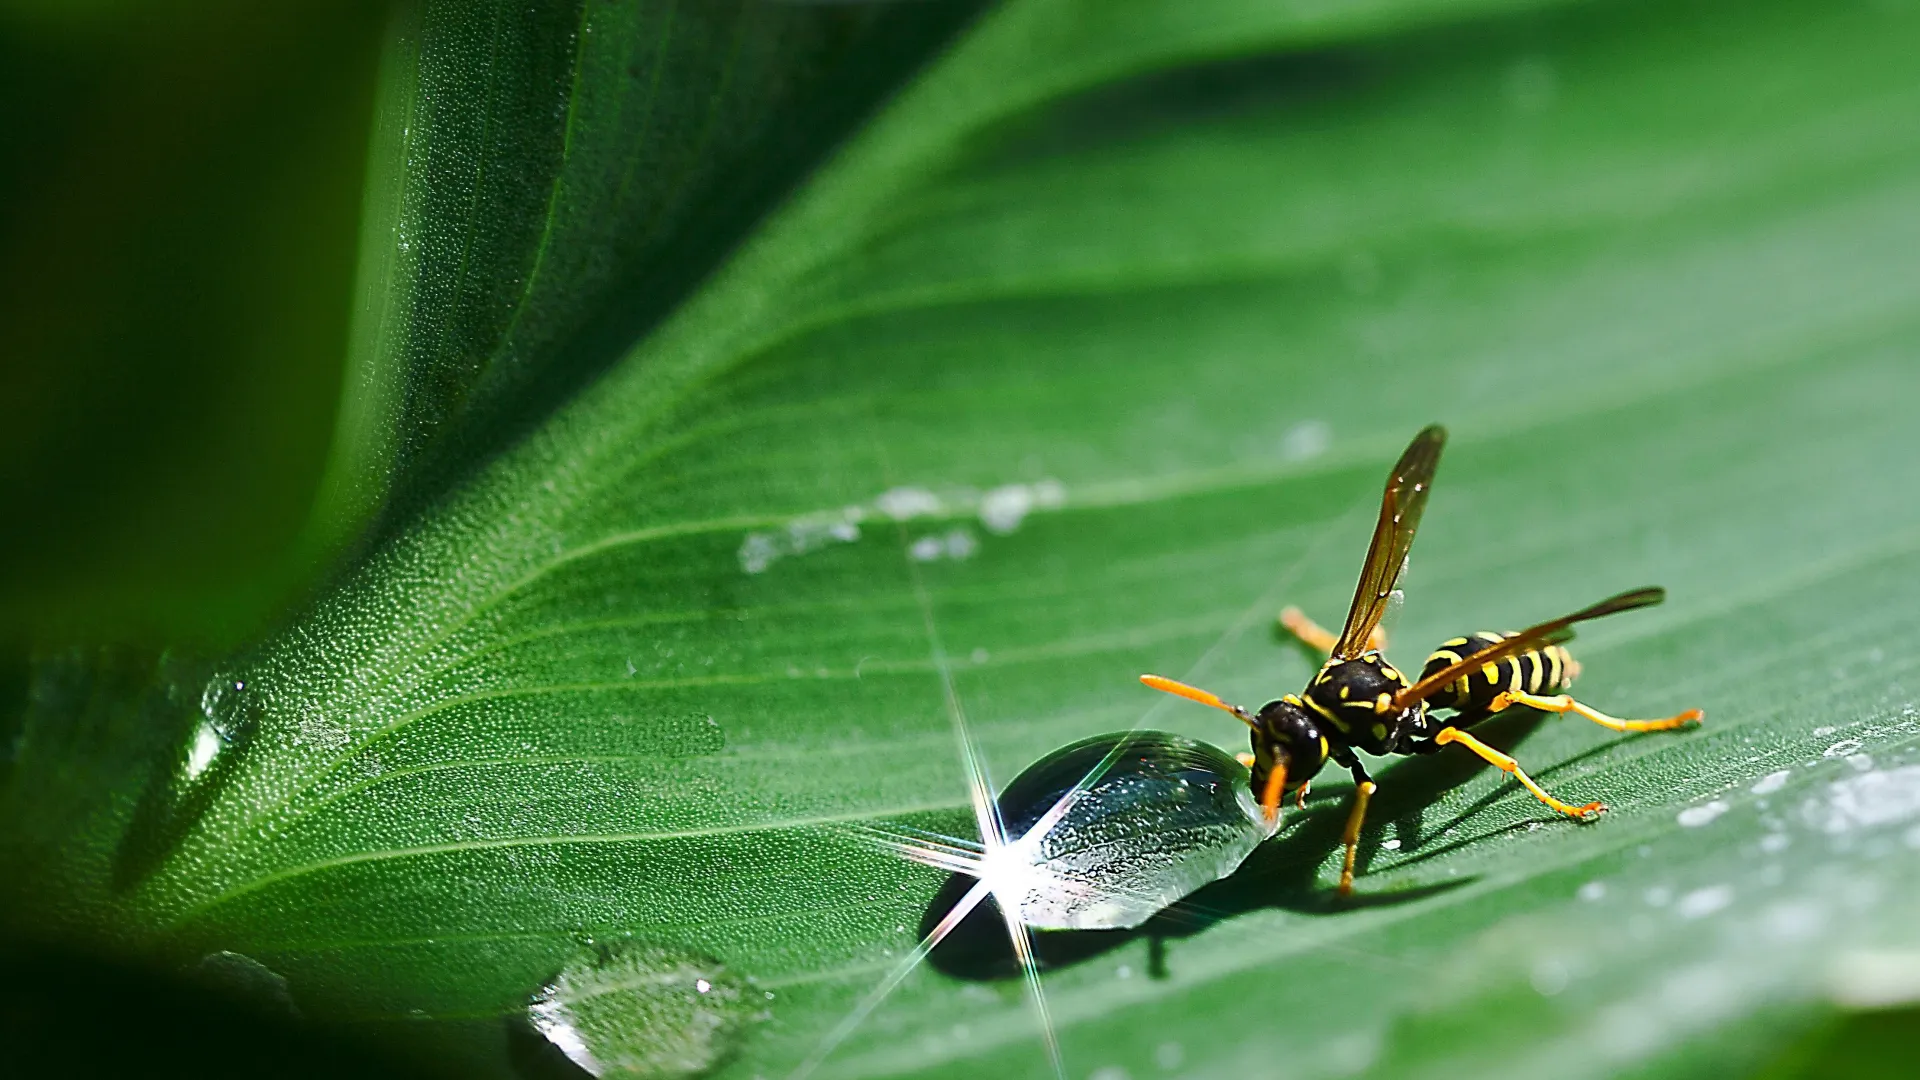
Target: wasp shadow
{"x": 1283, "y": 873}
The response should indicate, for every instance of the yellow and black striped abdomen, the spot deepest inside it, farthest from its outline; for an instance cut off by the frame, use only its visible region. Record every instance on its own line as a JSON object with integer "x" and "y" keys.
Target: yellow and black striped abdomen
{"x": 1547, "y": 670}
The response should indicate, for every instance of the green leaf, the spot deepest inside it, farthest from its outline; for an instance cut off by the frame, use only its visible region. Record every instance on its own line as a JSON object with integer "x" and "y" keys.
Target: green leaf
{"x": 179, "y": 190}
{"x": 548, "y": 181}
{"x": 1177, "y": 281}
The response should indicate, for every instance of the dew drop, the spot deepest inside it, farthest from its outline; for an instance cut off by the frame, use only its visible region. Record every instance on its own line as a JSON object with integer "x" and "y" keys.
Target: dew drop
{"x": 1703, "y": 902}
{"x": 633, "y": 1009}
{"x": 1771, "y": 782}
{"x": 1549, "y": 977}
{"x": 228, "y": 707}
{"x": 1004, "y": 508}
{"x": 242, "y": 976}
{"x": 1165, "y": 816}
{"x": 1695, "y": 816}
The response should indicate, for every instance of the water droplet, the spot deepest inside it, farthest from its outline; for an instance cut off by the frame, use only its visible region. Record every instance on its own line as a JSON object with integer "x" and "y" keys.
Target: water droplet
{"x": 246, "y": 978}
{"x": 1310, "y": 438}
{"x": 1695, "y": 816}
{"x": 1841, "y": 748}
{"x": 960, "y": 544}
{"x": 954, "y": 544}
{"x": 1703, "y": 902}
{"x": 906, "y": 503}
{"x": 1168, "y": 815}
{"x": 1865, "y": 799}
{"x": 638, "y": 1010}
{"x": 1771, "y": 782}
{"x": 229, "y": 707}
{"x": 1550, "y": 977}
{"x": 1592, "y": 891}
{"x": 1004, "y": 508}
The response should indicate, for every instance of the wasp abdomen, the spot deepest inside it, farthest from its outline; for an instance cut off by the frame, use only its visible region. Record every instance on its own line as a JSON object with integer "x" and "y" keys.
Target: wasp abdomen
{"x": 1546, "y": 670}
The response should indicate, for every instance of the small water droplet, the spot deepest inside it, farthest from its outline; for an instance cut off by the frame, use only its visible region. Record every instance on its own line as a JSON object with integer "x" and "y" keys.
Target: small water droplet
{"x": 1592, "y": 891}
{"x": 1842, "y": 748}
{"x": 1549, "y": 977}
{"x": 639, "y": 1010}
{"x": 229, "y": 707}
{"x": 1695, "y": 816}
{"x": 1703, "y": 902}
{"x": 1004, "y": 508}
{"x": 1771, "y": 782}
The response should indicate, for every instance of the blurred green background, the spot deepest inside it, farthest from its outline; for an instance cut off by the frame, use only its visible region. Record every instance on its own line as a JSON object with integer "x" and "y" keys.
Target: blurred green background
{"x": 425, "y": 427}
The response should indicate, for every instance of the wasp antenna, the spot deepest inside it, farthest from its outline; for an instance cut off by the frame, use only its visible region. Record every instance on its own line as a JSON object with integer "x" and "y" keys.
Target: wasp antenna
{"x": 1270, "y": 794}
{"x": 1194, "y": 693}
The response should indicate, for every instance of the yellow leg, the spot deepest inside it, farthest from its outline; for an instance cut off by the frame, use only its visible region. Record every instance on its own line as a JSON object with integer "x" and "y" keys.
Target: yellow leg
{"x": 1562, "y": 703}
{"x": 1361, "y": 793}
{"x": 1511, "y": 767}
{"x": 1319, "y": 638}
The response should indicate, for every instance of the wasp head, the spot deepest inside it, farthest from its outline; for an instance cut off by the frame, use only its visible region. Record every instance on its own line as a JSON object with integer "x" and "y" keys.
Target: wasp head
{"x": 1285, "y": 735}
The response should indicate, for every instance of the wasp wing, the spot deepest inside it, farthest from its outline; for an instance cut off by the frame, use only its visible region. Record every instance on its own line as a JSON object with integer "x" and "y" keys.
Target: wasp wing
{"x": 1400, "y": 509}
{"x": 1552, "y": 632}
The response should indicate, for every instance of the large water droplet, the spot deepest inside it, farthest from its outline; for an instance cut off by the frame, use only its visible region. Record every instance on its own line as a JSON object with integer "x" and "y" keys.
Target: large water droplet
{"x": 244, "y": 977}
{"x": 1169, "y": 815}
{"x": 633, "y": 1009}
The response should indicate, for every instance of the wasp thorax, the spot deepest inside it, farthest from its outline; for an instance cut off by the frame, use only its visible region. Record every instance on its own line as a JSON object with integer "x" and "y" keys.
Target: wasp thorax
{"x": 1356, "y": 698}
{"x": 1285, "y": 733}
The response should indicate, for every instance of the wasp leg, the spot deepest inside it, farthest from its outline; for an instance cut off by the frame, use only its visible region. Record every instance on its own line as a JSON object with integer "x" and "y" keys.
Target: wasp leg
{"x": 1363, "y": 789}
{"x": 1511, "y": 767}
{"x": 1319, "y": 638}
{"x": 1562, "y": 703}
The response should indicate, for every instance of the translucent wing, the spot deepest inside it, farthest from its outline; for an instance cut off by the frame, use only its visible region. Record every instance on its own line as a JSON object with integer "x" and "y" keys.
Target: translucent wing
{"x": 1533, "y": 637}
{"x": 1400, "y": 508}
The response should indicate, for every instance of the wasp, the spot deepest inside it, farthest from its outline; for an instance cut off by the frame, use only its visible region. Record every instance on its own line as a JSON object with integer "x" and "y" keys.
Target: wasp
{"x": 1358, "y": 701}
